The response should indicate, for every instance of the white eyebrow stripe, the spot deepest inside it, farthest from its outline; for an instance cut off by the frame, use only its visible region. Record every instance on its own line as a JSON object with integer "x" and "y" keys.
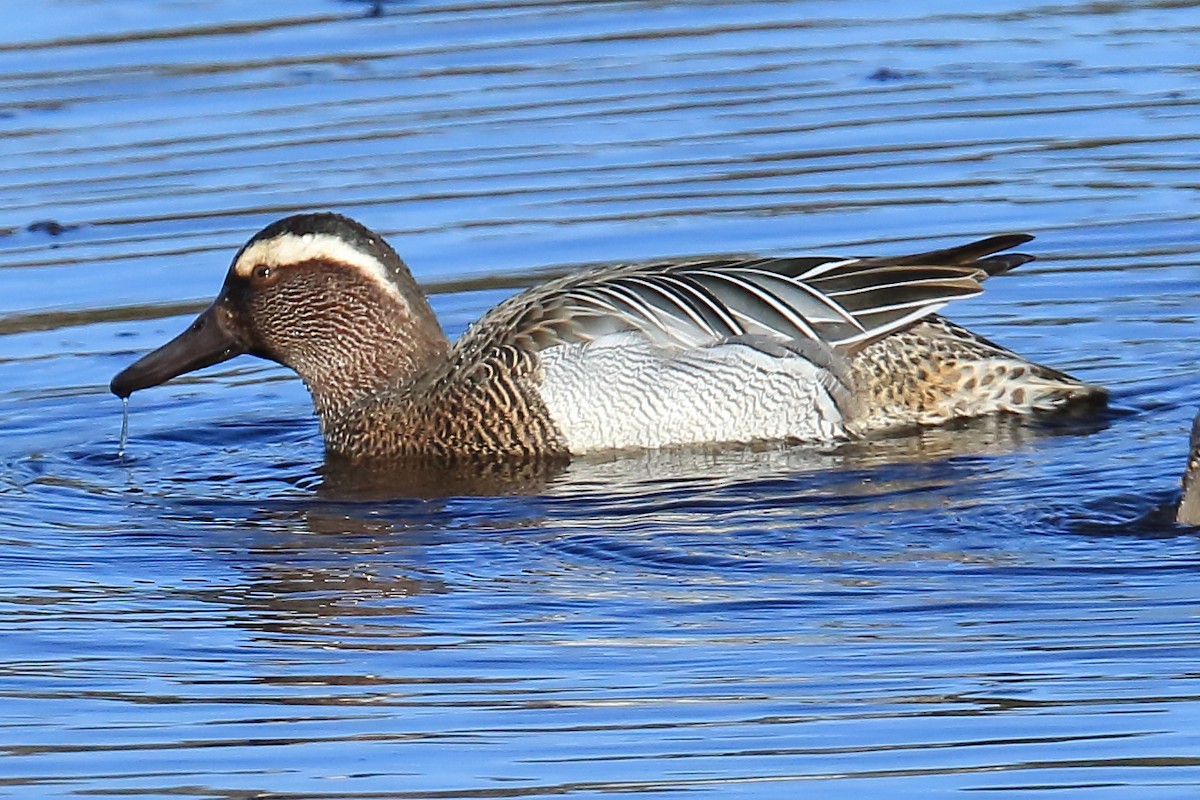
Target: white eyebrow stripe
{"x": 290, "y": 248}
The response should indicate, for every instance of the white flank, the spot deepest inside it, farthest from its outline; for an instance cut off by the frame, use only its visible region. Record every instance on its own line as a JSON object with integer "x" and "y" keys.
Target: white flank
{"x": 623, "y": 391}
{"x": 288, "y": 248}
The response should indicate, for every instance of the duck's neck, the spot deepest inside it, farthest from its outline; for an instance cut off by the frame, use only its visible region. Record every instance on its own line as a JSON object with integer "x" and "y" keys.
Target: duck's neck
{"x": 380, "y": 348}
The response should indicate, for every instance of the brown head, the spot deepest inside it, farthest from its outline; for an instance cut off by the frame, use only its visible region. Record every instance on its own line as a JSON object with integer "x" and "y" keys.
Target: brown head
{"x": 318, "y": 293}
{"x": 1189, "y": 504}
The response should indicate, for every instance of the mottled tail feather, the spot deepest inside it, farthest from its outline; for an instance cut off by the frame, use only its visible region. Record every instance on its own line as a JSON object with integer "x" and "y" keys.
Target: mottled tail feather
{"x": 936, "y": 371}
{"x": 1016, "y": 386}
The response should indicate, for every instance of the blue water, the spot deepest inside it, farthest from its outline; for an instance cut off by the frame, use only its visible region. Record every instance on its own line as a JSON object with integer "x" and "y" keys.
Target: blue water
{"x": 1001, "y": 607}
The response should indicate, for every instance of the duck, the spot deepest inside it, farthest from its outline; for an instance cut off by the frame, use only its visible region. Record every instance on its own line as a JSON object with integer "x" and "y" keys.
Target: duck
{"x": 708, "y": 351}
{"x": 1188, "y": 511}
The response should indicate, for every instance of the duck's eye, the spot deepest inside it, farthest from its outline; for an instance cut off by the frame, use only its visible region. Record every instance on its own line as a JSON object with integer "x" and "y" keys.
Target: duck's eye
{"x": 262, "y": 273}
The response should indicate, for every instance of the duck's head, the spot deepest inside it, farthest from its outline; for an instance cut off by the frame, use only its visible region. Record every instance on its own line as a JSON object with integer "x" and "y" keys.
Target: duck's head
{"x": 318, "y": 293}
{"x": 1189, "y": 504}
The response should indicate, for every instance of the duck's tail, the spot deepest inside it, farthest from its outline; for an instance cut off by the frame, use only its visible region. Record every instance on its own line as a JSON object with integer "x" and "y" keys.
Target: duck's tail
{"x": 936, "y": 371}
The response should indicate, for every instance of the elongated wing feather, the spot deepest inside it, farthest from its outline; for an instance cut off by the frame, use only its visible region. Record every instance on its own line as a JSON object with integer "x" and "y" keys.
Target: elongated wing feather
{"x": 842, "y": 303}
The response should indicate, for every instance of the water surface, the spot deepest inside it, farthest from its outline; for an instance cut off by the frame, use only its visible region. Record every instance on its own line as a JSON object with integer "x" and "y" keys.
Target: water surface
{"x": 1002, "y": 606}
